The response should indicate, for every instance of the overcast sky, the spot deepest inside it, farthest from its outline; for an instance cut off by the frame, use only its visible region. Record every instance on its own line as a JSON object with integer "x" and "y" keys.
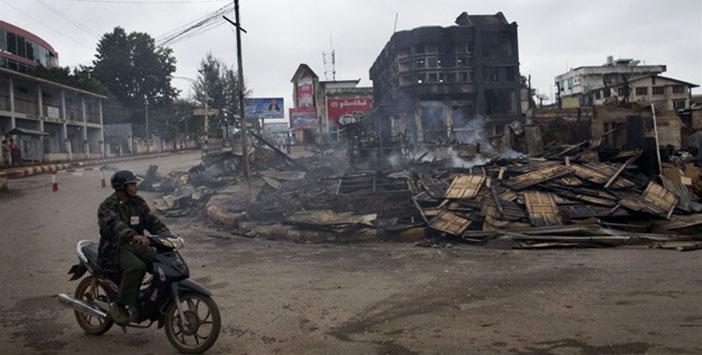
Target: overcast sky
{"x": 554, "y": 35}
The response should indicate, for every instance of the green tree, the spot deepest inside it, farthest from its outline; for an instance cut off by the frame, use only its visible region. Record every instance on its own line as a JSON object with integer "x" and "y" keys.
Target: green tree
{"x": 222, "y": 90}
{"x": 134, "y": 69}
{"x": 80, "y": 77}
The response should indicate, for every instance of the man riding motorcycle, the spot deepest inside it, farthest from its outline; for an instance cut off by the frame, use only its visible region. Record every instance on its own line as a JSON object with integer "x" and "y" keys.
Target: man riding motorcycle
{"x": 123, "y": 217}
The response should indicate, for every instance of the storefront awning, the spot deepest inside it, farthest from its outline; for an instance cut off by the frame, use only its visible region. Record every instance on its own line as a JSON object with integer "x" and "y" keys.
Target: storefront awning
{"x": 24, "y": 132}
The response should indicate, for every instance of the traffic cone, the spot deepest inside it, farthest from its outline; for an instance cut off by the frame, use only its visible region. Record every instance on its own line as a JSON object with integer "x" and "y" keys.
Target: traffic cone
{"x": 54, "y": 183}
{"x": 102, "y": 179}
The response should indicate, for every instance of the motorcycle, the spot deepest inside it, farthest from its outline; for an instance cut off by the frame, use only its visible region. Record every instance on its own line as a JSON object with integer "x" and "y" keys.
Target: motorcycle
{"x": 167, "y": 296}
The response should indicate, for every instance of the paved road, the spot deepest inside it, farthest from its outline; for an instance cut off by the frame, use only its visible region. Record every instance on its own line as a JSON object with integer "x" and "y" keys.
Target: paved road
{"x": 279, "y": 297}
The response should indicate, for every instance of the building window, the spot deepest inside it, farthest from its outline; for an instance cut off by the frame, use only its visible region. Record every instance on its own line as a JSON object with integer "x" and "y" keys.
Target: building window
{"x": 418, "y": 48}
{"x": 570, "y": 84}
{"x": 431, "y": 48}
{"x": 433, "y": 62}
{"x": 641, "y": 91}
{"x": 470, "y": 46}
{"x": 658, "y": 90}
{"x": 621, "y": 91}
{"x": 679, "y": 104}
{"x": 450, "y": 78}
{"x": 419, "y": 63}
{"x": 678, "y": 89}
{"x": 606, "y": 93}
{"x": 461, "y": 61}
{"x": 3, "y": 40}
{"x": 21, "y": 47}
{"x": 433, "y": 78}
{"x": 509, "y": 73}
{"x": 598, "y": 95}
{"x": 463, "y": 77}
{"x": 420, "y": 78}
{"x": 11, "y": 43}
{"x": 449, "y": 62}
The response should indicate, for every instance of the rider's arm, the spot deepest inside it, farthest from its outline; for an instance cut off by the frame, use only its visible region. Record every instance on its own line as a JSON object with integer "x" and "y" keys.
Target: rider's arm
{"x": 108, "y": 219}
{"x": 151, "y": 222}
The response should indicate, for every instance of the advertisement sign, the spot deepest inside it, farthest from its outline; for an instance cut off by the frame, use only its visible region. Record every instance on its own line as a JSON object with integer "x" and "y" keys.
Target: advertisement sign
{"x": 305, "y": 93}
{"x": 303, "y": 118}
{"x": 268, "y": 107}
{"x": 344, "y": 110}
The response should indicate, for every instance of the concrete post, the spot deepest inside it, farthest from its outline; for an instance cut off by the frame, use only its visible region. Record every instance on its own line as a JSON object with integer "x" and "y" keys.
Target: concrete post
{"x": 40, "y": 111}
{"x": 40, "y": 102}
{"x": 86, "y": 144}
{"x": 66, "y": 141}
{"x": 12, "y": 104}
{"x": 102, "y": 128}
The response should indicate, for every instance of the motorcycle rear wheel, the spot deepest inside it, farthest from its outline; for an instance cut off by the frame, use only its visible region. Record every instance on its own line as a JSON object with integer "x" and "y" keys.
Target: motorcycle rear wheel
{"x": 202, "y": 314}
{"x": 87, "y": 291}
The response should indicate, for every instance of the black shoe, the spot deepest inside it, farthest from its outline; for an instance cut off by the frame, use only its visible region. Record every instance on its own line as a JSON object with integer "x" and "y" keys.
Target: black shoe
{"x": 118, "y": 314}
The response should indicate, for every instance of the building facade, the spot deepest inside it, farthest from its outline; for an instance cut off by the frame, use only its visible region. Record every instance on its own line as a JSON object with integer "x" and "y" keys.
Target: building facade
{"x": 50, "y": 121}
{"x": 431, "y": 82}
{"x": 589, "y": 85}
{"x": 21, "y": 50}
{"x": 666, "y": 94}
{"x": 320, "y": 107}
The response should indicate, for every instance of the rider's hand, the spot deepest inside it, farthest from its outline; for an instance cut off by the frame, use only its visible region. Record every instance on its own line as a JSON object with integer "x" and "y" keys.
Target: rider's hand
{"x": 140, "y": 240}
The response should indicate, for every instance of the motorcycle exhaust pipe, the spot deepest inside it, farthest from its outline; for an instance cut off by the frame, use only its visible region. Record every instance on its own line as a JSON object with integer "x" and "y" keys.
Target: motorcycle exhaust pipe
{"x": 80, "y": 306}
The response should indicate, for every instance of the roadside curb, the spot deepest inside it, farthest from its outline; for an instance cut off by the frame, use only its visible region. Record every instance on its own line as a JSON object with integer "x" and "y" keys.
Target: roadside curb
{"x": 16, "y": 173}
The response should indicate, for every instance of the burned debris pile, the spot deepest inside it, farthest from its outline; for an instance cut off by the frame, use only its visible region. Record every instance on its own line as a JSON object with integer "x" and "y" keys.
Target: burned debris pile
{"x": 573, "y": 196}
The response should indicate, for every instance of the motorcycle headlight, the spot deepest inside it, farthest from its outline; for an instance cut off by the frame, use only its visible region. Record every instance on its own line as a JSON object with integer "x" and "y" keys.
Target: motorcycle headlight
{"x": 175, "y": 243}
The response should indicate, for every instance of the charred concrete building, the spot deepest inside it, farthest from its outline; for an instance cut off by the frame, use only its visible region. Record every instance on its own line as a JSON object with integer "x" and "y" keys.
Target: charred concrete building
{"x": 433, "y": 83}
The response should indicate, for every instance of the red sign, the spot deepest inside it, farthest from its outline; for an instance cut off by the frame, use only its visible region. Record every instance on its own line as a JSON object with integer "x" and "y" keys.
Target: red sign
{"x": 305, "y": 93}
{"x": 347, "y": 106}
{"x": 303, "y": 118}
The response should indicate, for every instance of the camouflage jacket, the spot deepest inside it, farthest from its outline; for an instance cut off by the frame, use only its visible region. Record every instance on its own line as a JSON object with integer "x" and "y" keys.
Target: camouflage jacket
{"x": 119, "y": 222}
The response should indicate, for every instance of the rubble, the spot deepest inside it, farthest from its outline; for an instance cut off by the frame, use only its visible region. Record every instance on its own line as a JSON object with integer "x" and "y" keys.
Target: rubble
{"x": 570, "y": 197}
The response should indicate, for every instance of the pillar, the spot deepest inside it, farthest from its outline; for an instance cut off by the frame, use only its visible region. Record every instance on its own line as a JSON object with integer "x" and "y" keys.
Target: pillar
{"x": 102, "y": 128}
{"x": 86, "y": 144}
{"x": 12, "y": 104}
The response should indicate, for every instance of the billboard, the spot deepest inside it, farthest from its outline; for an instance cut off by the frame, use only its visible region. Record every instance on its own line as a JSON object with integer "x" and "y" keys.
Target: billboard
{"x": 266, "y": 107}
{"x": 303, "y": 118}
{"x": 305, "y": 93}
{"x": 347, "y": 109}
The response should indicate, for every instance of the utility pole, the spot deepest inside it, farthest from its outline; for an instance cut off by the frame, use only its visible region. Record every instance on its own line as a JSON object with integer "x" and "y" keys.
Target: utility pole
{"x": 207, "y": 113}
{"x": 242, "y": 113}
{"x": 146, "y": 118}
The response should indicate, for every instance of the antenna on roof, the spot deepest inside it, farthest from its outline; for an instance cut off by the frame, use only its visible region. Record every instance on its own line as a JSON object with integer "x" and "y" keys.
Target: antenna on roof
{"x": 329, "y": 58}
{"x": 394, "y": 27}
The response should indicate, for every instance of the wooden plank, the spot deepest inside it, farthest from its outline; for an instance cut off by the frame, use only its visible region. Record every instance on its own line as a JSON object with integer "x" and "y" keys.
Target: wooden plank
{"x": 600, "y": 173}
{"x": 538, "y": 176}
{"x": 542, "y": 209}
{"x": 465, "y": 187}
{"x": 450, "y": 223}
{"x": 661, "y": 197}
{"x": 619, "y": 171}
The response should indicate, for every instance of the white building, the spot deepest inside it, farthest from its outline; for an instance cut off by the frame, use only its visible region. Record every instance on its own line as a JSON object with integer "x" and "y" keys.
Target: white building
{"x": 50, "y": 121}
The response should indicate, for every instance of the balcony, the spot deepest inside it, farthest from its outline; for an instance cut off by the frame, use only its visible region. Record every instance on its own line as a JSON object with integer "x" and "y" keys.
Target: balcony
{"x": 26, "y": 106}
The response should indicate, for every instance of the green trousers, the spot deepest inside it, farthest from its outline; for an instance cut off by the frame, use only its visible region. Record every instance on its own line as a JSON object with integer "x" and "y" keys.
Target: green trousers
{"x": 132, "y": 263}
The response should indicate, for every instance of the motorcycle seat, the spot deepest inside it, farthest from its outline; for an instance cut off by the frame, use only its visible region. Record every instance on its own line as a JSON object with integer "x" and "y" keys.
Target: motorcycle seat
{"x": 90, "y": 251}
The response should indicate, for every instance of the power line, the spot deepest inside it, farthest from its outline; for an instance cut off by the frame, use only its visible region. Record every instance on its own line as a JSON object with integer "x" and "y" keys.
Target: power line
{"x": 74, "y": 22}
{"x": 45, "y": 25}
{"x": 195, "y": 27}
{"x": 147, "y": 2}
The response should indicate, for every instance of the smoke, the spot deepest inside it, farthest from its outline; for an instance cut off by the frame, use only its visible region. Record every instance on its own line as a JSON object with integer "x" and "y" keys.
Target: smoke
{"x": 395, "y": 160}
{"x": 458, "y": 162}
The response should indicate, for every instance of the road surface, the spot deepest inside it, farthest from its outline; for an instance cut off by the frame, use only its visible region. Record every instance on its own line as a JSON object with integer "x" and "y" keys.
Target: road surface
{"x": 280, "y": 297}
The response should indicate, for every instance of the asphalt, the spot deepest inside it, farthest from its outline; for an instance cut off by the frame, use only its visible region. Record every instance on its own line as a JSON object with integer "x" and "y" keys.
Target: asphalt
{"x": 377, "y": 298}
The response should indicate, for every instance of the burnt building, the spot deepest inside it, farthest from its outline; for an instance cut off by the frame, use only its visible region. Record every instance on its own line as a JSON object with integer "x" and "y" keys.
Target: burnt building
{"x": 436, "y": 83}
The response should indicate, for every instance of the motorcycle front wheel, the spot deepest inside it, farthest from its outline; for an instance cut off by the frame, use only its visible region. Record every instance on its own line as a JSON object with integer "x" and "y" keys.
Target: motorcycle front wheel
{"x": 202, "y": 323}
{"x": 88, "y": 291}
